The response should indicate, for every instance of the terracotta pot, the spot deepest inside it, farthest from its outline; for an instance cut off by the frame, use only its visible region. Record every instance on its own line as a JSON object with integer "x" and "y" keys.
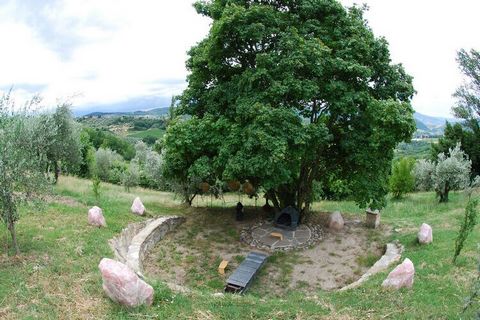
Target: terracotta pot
{"x": 248, "y": 188}
{"x": 233, "y": 185}
{"x": 204, "y": 186}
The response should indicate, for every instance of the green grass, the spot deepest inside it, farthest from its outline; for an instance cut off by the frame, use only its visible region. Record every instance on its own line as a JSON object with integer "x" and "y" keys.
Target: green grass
{"x": 154, "y": 132}
{"x": 57, "y": 277}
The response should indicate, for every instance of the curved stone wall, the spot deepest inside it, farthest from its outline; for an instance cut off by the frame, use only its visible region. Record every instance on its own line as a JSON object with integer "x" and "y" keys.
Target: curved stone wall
{"x": 393, "y": 253}
{"x": 134, "y": 242}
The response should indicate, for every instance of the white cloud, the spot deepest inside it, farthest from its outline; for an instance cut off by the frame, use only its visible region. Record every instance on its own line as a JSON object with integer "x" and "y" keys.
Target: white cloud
{"x": 115, "y": 50}
{"x": 425, "y": 36}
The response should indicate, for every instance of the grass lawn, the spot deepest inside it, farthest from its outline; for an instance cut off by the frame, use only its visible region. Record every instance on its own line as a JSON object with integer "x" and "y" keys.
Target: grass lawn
{"x": 56, "y": 276}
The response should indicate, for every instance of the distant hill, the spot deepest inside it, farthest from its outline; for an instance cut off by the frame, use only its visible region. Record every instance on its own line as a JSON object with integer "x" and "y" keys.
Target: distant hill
{"x": 430, "y": 126}
{"x": 157, "y": 112}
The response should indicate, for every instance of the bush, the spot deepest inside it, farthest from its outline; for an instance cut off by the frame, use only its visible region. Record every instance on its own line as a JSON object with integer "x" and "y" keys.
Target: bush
{"x": 402, "y": 179}
{"x": 131, "y": 176}
{"x": 108, "y": 165}
{"x": 468, "y": 223}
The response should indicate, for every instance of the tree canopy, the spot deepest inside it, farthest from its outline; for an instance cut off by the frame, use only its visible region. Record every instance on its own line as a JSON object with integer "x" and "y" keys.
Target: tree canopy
{"x": 285, "y": 93}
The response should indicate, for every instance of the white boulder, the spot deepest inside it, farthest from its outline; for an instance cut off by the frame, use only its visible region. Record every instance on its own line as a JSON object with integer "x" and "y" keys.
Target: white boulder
{"x": 401, "y": 276}
{"x": 335, "y": 221}
{"x": 425, "y": 234}
{"x": 96, "y": 218}
{"x": 122, "y": 285}
{"x": 137, "y": 207}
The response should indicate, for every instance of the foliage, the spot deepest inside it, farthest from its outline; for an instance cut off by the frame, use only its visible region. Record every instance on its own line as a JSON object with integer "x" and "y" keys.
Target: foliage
{"x": 24, "y": 140}
{"x": 108, "y": 165}
{"x": 468, "y": 95}
{"x": 87, "y": 151}
{"x": 66, "y": 147}
{"x": 96, "y": 186}
{"x": 469, "y": 140}
{"x": 418, "y": 149}
{"x": 469, "y": 222}
{"x": 131, "y": 176}
{"x": 451, "y": 172}
{"x": 402, "y": 179}
{"x": 424, "y": 171}
{"x": 106, "y": 140}
{"x": 285, "y": 93}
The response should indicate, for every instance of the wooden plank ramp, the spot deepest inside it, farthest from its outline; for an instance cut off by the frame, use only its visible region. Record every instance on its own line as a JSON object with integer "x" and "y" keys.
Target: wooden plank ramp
{"x": 243, "y": 276}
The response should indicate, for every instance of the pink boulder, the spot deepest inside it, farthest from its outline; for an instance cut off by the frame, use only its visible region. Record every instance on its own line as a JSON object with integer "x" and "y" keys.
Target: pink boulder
{"x": 137, "y": 207}
{"x": 95, "y": 217}
{"x": 425, "y": 234}
{"x": 122, "y": 285}
{"x": 401, "y": 276}
{"x": 335, "y": 222}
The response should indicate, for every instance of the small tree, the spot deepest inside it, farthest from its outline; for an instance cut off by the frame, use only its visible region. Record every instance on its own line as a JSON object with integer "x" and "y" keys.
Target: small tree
{"x": 23, "y": 158}
{"x": 402, "y": 179}
{"x": 66, "y": 146}
{"x": 105, "y": 161}
{"x": 469, "y": 221}
{"x": 451, "y": 172}
{"x": 131, "y": 176}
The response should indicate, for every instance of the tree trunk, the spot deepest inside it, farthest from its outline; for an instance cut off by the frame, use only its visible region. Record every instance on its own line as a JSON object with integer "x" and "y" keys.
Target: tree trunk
{"x": 57, "y": 171}
{"x": 11, "y": 228}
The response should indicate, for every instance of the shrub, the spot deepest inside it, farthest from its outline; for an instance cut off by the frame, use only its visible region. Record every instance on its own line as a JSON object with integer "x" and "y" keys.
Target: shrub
{"x": 131, "y": 176}
{"x": 402, "y": 179}
{"x": 468, "y": 223}
{"x": 106, "y": 161}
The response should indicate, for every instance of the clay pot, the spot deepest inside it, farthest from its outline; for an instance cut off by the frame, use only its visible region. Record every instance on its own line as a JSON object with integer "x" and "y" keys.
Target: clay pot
{"x": 204, "y": 186}
{"x": 233, "y": 185}
{"x": 248, "y": 188}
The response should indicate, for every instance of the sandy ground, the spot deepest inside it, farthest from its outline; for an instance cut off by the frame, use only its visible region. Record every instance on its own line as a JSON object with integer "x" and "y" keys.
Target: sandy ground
{"x": 191, "y": 254}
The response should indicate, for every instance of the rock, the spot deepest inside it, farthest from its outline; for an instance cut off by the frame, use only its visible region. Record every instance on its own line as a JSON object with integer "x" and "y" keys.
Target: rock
{"x": 95, "y": 217}
{"x": 122, "y": 285}
{"x": 137, "y": 207}
{"x": 401, "y": 276}
{"x": 372, "y": 219}
{"x": 425, "y": 234}
{"x": 335, "y": 221}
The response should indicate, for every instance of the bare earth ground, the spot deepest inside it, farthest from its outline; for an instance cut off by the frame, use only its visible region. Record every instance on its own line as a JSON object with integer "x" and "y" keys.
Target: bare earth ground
{"x": 189, "y": 256}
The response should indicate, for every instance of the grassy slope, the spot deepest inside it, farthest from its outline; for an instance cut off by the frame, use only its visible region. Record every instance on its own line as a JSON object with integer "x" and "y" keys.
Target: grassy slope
{"x": 57, "y": 276}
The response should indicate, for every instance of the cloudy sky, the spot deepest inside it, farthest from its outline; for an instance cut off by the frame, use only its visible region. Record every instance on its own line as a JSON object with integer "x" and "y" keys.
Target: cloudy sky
{"x": 115, "y": 53}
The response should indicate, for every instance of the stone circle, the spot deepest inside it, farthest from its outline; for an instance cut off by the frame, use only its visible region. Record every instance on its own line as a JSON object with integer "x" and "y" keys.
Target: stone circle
{"x": 259, "y": 236}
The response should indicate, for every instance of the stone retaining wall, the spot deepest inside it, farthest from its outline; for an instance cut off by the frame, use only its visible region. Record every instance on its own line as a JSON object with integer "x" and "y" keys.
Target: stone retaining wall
{"x": 134, "y": 242}
{"x": 393, "y": 253}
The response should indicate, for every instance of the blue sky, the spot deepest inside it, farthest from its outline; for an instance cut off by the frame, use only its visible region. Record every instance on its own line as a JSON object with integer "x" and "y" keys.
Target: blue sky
{"x": 118, "y": 53}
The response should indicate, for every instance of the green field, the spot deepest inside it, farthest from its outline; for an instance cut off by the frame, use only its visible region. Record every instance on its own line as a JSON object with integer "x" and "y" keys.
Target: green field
{"x": 56, "y": 276}
{"x": 154, "y": 132}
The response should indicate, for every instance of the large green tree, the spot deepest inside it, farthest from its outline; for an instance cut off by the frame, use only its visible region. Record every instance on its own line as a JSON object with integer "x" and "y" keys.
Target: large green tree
{"x": 285, "y": 93}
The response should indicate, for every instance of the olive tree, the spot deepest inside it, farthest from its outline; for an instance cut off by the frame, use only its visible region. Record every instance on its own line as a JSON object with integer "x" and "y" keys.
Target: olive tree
{"x": 66, "y": 149}
{"x": 24, "y": 141}
{"x": 285, "y": 94}
{"x": 450, "y": 172}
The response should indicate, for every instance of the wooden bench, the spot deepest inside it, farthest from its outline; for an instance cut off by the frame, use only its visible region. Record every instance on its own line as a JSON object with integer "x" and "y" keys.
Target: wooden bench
{"x": 223, "y": 265}
{"x": 277, "y": 235}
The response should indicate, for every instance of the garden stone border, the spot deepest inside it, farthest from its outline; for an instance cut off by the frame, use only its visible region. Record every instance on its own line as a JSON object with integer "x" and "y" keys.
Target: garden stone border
{"x": 393, "y": 254}
{"x": 134, "y": 242}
